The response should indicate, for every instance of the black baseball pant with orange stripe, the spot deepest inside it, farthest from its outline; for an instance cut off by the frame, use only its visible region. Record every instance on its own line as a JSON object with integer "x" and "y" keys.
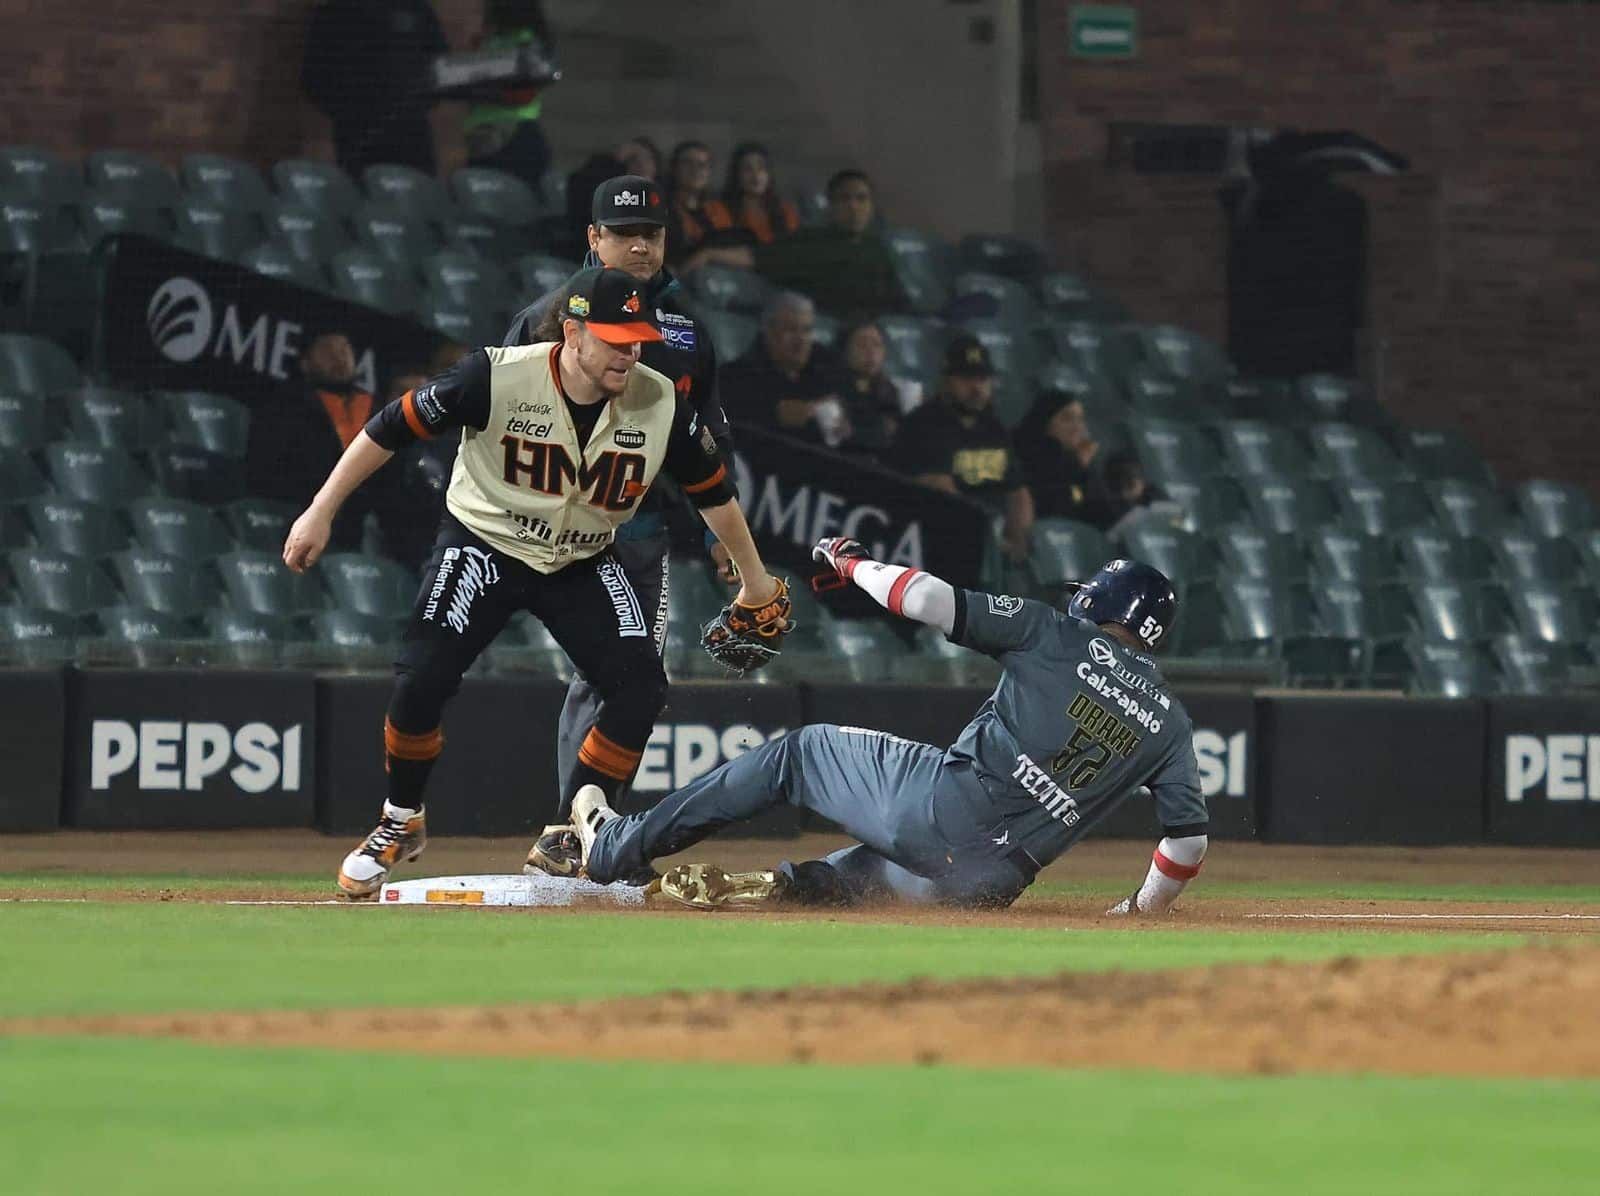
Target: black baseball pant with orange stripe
{"x": 469, "y": 592}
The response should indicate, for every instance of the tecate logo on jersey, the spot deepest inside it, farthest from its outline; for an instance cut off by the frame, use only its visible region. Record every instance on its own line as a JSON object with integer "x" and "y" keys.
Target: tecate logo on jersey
{"x": 1567, "y": 766}
{"x": 183, "y": 756}
{"x": 677, "y": 753}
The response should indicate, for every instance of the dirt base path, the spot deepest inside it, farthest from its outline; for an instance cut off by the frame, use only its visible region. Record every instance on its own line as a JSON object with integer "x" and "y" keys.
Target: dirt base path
{"x": 1523, "y": 1012}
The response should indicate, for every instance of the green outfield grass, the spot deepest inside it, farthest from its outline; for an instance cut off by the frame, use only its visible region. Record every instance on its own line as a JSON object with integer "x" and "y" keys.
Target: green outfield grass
{"x": 132, "y": 1117}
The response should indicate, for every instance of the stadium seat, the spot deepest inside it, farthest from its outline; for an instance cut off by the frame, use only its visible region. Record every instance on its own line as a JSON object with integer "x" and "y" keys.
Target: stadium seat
{"x": 407, "y": 188}
{"x": 538, "y": 274}
{"x": 90, "y": 473}
{"x": 183, "y": 471}
{"x": 312, "y": 236}
{"x": 1382, "y": 508}
{"x": 1468, "y": 508}
{"x": 202, "y": 226}
{"x": 1450, "y": 670}
{"x": 1328, "y": 397}
{"x": 985, "y": 296}
{"x": 728, "y": 288}
{"x": 1248, "y": 551}
{"x": 1341, "y": 555}
{"x": 1009, "y": 256}
{"x": 199, "y": 419}
{"x": 28, "y": 170}
{"x": 102, "y": 215}
{"x": 1182, "y": 355}
{"x": 78, "y": 528}
{"x": 1065, "y": 550}
{"x": 476, "y": 234}
{"x": 495, "y": 195}
{"x": 1348, "y": 451}
{"x": 1185, "y": 557}
{"x": 320, "y": 186}
{"x": 19, "y": 477}
{"x": 27, "y": 422}
{"x": 113, "y": 418}
{"x": 1074, "y": 297}
{"x": 734, "y": 335}
{"x": 1267, "y": 619}
{"x": 260, "y": 583}
{"x": 372, "y": 586}
{"x": 1433, "y": 453}
{"x": 247, "y": 639}
{"x": 147, "y": 638}
{"x": 59, "y": 581}
{"x": 463, "y": 325}
{"x": 1523, "y": 556}
{"x": 1290, "y": 504}
{"x": 1588, "y": 546}
{"x": 1100, "y": 349}
{"x": 133, "y": 177}
{"x": 1376, "y": 618}
{"x": 176, "y": 527}
{"x": 31, "y": 225}
{"x": 354, "y": 640}
{"x": 1530, "y": 667}
{"x": 1263, "y": 399}
{"x": 172, "y": 584}
{"x": 921, "y": 264}
{"x": 1153, "y": 394}
{"x": 466, "y": 280}
{"x": 227, "y": 183}
{"x": 259, "y": 524}
{"x": 1209, "y": 504}
{"x": 1454, "y": 611}
{"x": 1554, "y": 614}
{"x": 1430, "y": 554}
{"x": 361, "y": 276}
{"x": 31, "y": 365}
{"x": 1171, "y": 450}
{"x": 912, "y": 347}
{"x": 1254, "y": 448}
{"x": 1555, "y": 508}
{"x": 35, "y": 637}
{"x": 275, "y": 260}
{"x": 394, "y": 234}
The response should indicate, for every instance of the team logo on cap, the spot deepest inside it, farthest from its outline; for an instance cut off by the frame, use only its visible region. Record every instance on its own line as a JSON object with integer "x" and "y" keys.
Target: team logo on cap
{"x": 631, "y": 304}
{"x": 975, "y": 355}
{"x": 578, "y": 306}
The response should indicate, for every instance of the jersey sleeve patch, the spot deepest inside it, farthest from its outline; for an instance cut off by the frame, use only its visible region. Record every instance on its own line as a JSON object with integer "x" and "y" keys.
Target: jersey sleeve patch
{"x": 1004, "y": 605}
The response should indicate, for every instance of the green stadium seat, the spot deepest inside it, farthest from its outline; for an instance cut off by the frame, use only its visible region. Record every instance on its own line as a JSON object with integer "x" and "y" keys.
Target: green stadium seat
{"x": 215, "y": 230}
{"x": 1328, "y": 397}
{"x": 1009, "y": 301}
{"x": 1182, "y": 355}
{"x": 1454, "y": 611}
{"x": 1104, "y": 350}
{"x": 1339, "y": 554}
{"x": 1008, "y": 256}
{"x": 733, "y": 334}
{"x": 1349, "y": 451}
{"x": 1429, "y": 554}
{"x": 1290, "y": 504}
{"x": 101, "y": 216}
{"x": 1450, "y": 670}
{"x": 461, "y": 324}
{"x": 1209, "y": 504}
{"x": 31, "y": 365}
{"x": 259, "y": 524}
{"x": 361, "y": 276}
{"x": 144, "y": 638}
{"x": 395, "y": 234}
{"x": 28, "y": 170}
{"x": 1171, "y": 450}
{"x": 77, "y": 528}
{"x": 27, "y": 422}
{"x": 132, "y": 177}
{"x": 466, "y": 280}
{"x": 1383, "y": 508}
{"x": 728, "y": 288}
{"x": 310, "y": 235}
{"x": 1554, "y": 614}
{"x": 921, "y": 264}
{"x": 33, "y": 637}
{"x": 1434, "y": 453}
{"x": 176, "y": 527}
{"x": 475, "y": 234}
{"x": 31, "y": 225}
{"x": 182, "y": 471}
{"x": 346, "y": 639}
{"x": 225, "y": 182}
{"x": 260, "y": 583}
{"x": 1530, "y": 667}
{"x": 174, "y": 585}
{"x": 495, "y": 195}
{"x": 1065, "y": 550}
{"x": 91, "y": 473}
{"x": 1267, "y": 619}
{"x": 1249, "y": 551}
{"x": 19, "y": 477}
{"x": 59, "y": 581}
{"x": 1468, "y": 508}
{"x": 1377, "y": 618}
{"x": 276, "y": 260}
{"x": 199, "y": 419}
{"x": 1073, "y": 296}
{"x": 912, "y": 347}
{"x": 1262, "y": 399}
{"x": 1255, "y": 448}
{"x": 246, "y": 639}
{"x": 320, "y": 186}
{"x": 1555, "y": 508}
{"x": 407, "y": 188}
{"x": 1588, "y": 546}
{"x": 1525, "y": 557}
{"x": 1185, "y": 557}
{"x": 1154, "y": 395}
{"x": 113, "y": 419}
{"x": 538, "y": 274}
{"x": 371, "y": 586}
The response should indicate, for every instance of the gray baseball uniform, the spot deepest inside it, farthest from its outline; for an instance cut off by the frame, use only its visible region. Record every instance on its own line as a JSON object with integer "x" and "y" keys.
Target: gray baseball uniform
{"x": 1076, "y": 724}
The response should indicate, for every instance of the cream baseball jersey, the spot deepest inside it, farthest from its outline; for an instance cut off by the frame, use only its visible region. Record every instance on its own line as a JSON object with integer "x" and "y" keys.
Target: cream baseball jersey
{"x": 541, "y": 478}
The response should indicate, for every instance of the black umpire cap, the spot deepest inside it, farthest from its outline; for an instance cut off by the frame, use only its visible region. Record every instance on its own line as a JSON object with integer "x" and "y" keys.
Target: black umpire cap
{"x": 628, "y": 199}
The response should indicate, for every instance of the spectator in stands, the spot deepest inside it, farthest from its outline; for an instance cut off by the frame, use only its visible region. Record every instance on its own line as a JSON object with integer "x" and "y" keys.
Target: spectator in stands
{"x": 299, "y": 435}
{"x": 871, "y": 398}
{"x": 507, "y": 134}
{"x": 572, "y": 240}
{"x": 956, "y": 443}
{"x": 688, "y": 194}
{"x": 784, "y": 382}
{"x": 1061, "y": 461}
{"x": 366, "y": 69}
{"x": 844, "y": 264}
{"x": 640, "y": 156}
{"x": 750, "y": 202}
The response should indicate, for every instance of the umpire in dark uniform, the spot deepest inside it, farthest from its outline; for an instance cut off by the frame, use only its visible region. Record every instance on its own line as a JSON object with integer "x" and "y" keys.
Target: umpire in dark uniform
{"x": 628, "y": 232}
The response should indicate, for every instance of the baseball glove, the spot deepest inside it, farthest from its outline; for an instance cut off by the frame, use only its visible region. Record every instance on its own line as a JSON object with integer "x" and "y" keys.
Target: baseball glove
{"x": 744, "y": 638}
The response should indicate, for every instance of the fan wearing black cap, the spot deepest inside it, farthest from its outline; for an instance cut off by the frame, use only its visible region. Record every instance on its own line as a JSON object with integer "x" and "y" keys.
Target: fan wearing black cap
{"x": 955, "y": 442}
{"x": 628, "y": 233}
{"x": 559, "y": 441}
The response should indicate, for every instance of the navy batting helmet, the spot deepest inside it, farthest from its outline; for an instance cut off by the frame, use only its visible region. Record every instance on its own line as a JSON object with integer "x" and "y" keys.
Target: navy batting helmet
{"x": 1129, "y": 593}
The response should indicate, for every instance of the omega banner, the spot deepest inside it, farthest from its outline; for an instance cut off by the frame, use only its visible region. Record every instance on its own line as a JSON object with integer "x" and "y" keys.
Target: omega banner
{"x": 793, "y": 495}
{"x": 175, "y": 320}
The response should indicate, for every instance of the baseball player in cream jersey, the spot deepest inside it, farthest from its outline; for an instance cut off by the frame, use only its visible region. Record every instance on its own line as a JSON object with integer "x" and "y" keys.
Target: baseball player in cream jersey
{"x": 1080, "y": 719}
{"x": 559, "y": 441}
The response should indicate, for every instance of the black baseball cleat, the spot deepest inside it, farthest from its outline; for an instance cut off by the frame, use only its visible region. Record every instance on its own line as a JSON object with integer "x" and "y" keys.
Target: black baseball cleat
{"x": 556, "y": 852}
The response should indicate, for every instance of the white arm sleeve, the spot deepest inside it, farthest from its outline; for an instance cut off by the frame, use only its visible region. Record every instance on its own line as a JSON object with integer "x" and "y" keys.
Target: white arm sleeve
{"x": 909, "y": 592}
{"x": 1174, "y": 864}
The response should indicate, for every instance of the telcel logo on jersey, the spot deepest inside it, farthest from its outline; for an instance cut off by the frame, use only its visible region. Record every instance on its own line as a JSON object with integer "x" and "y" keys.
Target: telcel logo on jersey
{"x": 527, "y": 427}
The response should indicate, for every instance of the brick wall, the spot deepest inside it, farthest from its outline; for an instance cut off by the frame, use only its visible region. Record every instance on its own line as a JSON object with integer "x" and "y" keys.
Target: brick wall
{"x": 1485, "y": 259}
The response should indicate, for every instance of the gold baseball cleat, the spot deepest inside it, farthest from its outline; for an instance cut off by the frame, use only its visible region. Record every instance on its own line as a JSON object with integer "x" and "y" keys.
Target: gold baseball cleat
{"x": 705, "y": 886}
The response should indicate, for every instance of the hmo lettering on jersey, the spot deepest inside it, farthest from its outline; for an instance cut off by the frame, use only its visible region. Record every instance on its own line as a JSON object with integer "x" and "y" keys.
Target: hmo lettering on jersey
{"x": 614, "y": 481}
